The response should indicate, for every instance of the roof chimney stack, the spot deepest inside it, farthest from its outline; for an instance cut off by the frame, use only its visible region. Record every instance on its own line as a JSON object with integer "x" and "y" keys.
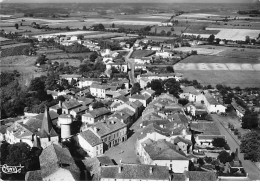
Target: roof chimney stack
{"x": 151, "y": 170}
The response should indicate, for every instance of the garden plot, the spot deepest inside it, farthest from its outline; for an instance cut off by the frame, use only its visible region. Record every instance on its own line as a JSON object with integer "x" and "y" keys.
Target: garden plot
{"x": 202, "y": 51}
{"x": 235, "y": 34}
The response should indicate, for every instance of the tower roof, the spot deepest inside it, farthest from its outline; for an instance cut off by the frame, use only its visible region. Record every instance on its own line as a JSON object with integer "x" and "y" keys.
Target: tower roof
{"x": 46, "y": 128}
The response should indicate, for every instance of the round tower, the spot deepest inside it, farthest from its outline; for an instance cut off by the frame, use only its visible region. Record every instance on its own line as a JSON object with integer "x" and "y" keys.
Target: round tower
{"x": 65, "y": 121}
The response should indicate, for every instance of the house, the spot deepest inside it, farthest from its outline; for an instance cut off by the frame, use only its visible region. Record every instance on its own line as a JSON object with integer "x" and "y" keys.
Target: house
{"x": 111, "y": 131}
{"x": 69, "y": 105}
{"x": 47, "y": 134}
{"x": 162, "y": 153}
{"x": 191, "y": 94}
{"x": 85, "y": 82}
{"x": 184, "y": 144}
{"x": 134, "y": 172}
{"x": 142, "y": 56}
{"x": 149, "y": 92}
{"x": 144, "y": 99}
{"x": 2, "y": 132}
{"x": 69, "y": 77}
{"x": 164, "y": 54}
{"x": 56, "y": 164}
{"x": 90, "y": 142}
{"x": 98, "y": 90}
{"x": 35, "y": 132}
{"x": 213, "y": 106}
{"x": 144, "y": 79}
{"x": 95, "y": 115}
{"x": 79, "y": 111}
{"x": 93, "y": 165}
{"x": 239, "y": 110}
{"x": 201, "y": 176}
{"x": 123, "y": 117}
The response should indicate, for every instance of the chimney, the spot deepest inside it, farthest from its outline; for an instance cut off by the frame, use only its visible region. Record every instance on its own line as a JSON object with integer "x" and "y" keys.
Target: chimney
{"x": 95, "y": 129}
{"x": 120, "y": 169}
{"x": 151, "y": 170}
{"x": 60, "y": 103}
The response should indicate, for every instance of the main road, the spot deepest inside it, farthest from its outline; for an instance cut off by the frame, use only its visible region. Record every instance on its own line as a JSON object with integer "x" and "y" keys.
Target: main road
{"x": 131, "y": 65}
{"x": 250, "y": 167}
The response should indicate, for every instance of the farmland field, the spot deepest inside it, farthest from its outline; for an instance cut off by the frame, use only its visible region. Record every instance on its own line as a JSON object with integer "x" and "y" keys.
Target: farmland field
{"x": 23, "y": 64}
{"x": 202, "y": 51}
{"x": 71, "y": 62}
{"x": 242, "y": 79}
{"x": 235, "y": 34}
{"x": 218, "y": 59}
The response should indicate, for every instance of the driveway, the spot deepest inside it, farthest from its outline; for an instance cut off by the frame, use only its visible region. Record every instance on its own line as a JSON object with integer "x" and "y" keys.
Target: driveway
{"x": 250, "y": 167}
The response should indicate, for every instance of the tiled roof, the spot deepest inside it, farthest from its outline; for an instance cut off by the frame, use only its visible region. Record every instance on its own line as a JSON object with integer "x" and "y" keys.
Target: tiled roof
{"x": 85, "y": 100}
{"x": 211, "y": 100}
{"x": 70, "y": 104}
{"x": 135, "y": 171}
{"x": 142, "y": 53}
{"x": 128, "y": 111}
{"x": 91, "y": 137}
{"x": 208, "y": 128}
{"x": 70, "y": 76}
{"x": 80, "y": 109}
{"x": 137, "y": 103}
{"x": 47, "y": 126}
{"x": 163, "y": 150}
{"x": 122, "y": 98}
{"x": 140, "y": 97}
{"x": 105, "y": 160}
{"x": 238, "y": 107}
{"x": 191, "y": 90}
{"x": 20, "y": 130}
{"x": 181, "y": 139}
{"x": 97, "y": 112}
{"x": 98, "y": 86}
{"x": 33, "y": 176}
{"x": 178, "y": 177}
{"x": 107, "y": 127}
{"x": 150, "y": 91}
{"x": 201, "y": 176}
{"x": 55, "y": 157}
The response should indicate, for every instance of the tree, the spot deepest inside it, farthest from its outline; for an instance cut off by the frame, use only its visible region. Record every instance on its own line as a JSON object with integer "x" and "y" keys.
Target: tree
{"x": 163, "y": 33}
{"x": 250, "y": 146}
{"x": 200, "y": 161}
{"x": 224, "y": 157}
{"x": 135, "y": 89}
{"x": 37, "y": 84}
{"x": 172, "y": 86}
{"x": 65, "y": 83}
{"x": 99, "y": 27}
{"x": 73, "y": 82}
{"x": 219, "y": 142}
{"x": 41, "y": 59}
{"x": 100, "y": 66}
{"x": 93, "y": 56}
{"x": 183, "y": 101}
{"x": 170, "y": 69}
{"x": 113, "y": 25}
{"x": 157, "y": 86}
{"x": 84, "y": 28}
{"x": 211, "y": 38}
{"x": 247, "y": 40}
{"x": 16, "y": 25}
{"x": 20, "y": 154}
{"x": 97, "y": 105}
{"x": 80, "y": 37}
{"x": 169, "y": 33}
{"x": 250, "y": 120}
{"x": 51, "y": 82}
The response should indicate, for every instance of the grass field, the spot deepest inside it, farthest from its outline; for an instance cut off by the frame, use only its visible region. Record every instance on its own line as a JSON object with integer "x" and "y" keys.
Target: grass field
{"x": 23, "y": 64}
{"x": 235, "y": 34}
{"x": 242, "y": 79}
{"x": 218, "y": 59}
{"x": 72, "y": 62}
{"x": 202, "y": 51}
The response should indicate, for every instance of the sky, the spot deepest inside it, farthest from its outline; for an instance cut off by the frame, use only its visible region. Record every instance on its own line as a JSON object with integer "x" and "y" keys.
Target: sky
{"x": 129, "y": 1}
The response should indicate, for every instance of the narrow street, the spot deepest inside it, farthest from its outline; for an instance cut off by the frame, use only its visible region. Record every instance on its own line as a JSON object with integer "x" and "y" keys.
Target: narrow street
{"x": 251, "y": 169}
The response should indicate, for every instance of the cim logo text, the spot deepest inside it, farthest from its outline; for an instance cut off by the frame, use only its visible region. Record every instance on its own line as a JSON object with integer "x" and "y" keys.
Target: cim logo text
{"x": 11, "y": 169}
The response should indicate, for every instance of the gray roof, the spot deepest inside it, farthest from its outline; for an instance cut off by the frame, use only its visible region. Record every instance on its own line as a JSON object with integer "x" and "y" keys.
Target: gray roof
{"x": 55, "y": 157}
{"x": 33, "y": 176}
{"x": 191, "y": 90}
{"x": 105, "y": 160}
{"x": 70, "y": 104}
{"x": 107, "y": 127}
{"x": 97, "y": 112}
{"x": 163, "y": 150}
{"x": 91, "y": 137}
{"x": 135, "y": 171}
{"x": 201, "y": 176}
